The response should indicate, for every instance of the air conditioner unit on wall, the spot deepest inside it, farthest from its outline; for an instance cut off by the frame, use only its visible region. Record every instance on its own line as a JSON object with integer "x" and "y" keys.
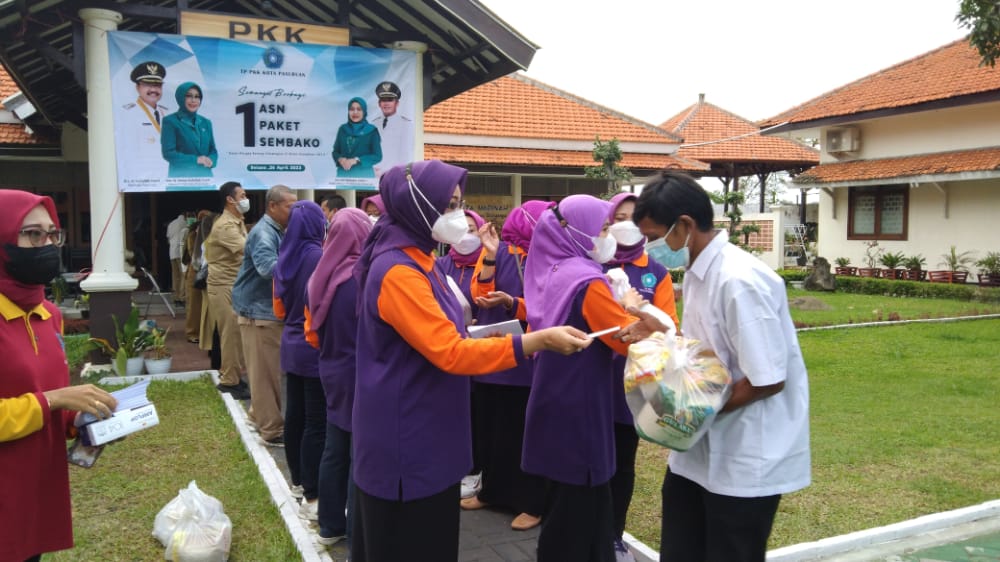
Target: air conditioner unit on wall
{"x": 842, "y": 139}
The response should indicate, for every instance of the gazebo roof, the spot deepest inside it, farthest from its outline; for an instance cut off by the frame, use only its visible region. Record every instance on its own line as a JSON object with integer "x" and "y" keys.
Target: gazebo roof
{"x": 41, "y": 42}
{"x": 733, "y": 145}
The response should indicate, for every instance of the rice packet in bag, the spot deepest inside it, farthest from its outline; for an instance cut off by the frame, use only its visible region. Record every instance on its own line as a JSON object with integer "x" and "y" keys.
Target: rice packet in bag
{"x": 674, "y": 387}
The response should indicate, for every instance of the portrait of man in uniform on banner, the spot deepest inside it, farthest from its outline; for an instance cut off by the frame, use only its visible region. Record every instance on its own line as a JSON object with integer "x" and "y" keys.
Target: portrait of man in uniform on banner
{"x": 143, "y": 119}
{"x": 395, "y": 129}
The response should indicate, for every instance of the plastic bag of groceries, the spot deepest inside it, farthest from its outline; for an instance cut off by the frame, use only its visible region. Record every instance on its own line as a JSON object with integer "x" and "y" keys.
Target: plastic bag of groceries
{"x": 674, "y": 387}
{"x": 193, "y": 527}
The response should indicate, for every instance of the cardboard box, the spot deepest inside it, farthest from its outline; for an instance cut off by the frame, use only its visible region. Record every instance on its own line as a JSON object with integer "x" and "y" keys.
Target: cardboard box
{"x": 119, "y": 425}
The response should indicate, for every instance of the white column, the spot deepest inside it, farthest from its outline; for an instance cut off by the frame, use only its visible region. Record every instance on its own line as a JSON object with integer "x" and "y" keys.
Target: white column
{"x": 515, "y": 189}
{"x": 418, "y": 118}
{"x": 350, "y": 197}
{"x": 107, "y": 224}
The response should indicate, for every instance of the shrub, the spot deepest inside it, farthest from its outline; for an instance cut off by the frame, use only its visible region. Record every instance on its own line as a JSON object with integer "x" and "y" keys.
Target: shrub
{"x": 898, "y": 288}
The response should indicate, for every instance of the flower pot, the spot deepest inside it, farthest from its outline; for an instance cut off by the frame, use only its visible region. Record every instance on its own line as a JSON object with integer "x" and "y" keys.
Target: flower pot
{"x": 868, "y": 271}
{"x": 158, "y": 366}
{"x": 846, "y": 270}
{"x": 133, "y": 367}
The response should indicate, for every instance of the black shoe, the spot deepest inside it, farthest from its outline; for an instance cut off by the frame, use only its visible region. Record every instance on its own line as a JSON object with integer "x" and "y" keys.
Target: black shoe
{"x": 278, "y": 441}
{"x": 234, "y": 390}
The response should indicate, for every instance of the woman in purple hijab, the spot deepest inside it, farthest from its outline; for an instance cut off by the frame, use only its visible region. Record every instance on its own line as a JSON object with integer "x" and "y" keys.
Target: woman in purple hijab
{"x": 501, "y": 399}
{"x": 569, "y": 430}
{"x": 333, "y": 299}
{"x": 305, "y": 414}
{"x": 411, "y": 438}
{"x": 653, "y": 282}
{"x": 373, "y": 207}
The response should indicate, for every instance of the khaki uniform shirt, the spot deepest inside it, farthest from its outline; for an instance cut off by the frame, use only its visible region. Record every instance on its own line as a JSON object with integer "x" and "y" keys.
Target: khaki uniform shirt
{"x": 224, "y": 249}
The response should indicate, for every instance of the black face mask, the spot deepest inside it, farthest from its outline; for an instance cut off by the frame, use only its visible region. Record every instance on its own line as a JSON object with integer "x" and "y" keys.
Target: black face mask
{"x": 33, "y": 266}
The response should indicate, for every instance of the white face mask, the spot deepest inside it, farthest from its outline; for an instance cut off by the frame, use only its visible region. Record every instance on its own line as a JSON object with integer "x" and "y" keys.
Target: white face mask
{"x": 468, "y": 244}
{"x": 626, "y": 233}
{"x": 243, "y": 205}
{"x": 604, "y": 249}
{"x": 373, "y": 218}
{"x": 449, "y": 228}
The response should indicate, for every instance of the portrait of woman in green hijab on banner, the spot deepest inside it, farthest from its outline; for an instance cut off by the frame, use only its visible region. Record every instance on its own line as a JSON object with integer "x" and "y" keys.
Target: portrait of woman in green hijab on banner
{"x": 358, "y": 146}
{"x": 186, "y": 138}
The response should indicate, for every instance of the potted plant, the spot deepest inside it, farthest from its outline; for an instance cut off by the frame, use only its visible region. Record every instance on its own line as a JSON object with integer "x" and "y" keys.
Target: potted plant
{"x": 892, "y": 261}
{"x": 844, "y": 267}
{"x": 158, "y": 357}
{"x": 915, "y": 268}
{"x": 126, "y": 359}
{"x": 957, "y": 264}
{"x": 989, "y": 269}
{"x": 872, "y": 254}
{"x": 59, "y": 288}
{"x": 83, "y": 304}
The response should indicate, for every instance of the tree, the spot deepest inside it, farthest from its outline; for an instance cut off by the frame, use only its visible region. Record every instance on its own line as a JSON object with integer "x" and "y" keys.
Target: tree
{"x": 983, "y": 18}
{"x": 609, "y": 154}
{"x": 774, "y": 188}
{"x": 739, "y": 235}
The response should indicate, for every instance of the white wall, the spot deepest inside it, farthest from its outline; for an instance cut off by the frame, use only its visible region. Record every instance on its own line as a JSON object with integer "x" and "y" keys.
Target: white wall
{"x": 973, "y": 223}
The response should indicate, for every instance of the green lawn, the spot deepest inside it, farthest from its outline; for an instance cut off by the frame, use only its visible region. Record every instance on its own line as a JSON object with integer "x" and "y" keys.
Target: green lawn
{"x": 846, "y": 308}
{"x": 115, "y": 502}
{"x": 903, "y": 423}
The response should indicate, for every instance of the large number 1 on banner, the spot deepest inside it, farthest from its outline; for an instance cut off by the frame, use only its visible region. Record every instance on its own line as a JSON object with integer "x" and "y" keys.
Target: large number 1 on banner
{"x": 248, "y": 112}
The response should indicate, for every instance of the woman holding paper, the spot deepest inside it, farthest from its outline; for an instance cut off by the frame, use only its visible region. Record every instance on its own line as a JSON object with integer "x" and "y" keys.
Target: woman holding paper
{"x": 37, "y": 405}
{"x": 569, "y": 429}
{"x": 501, "y": 399}
{"x": 411, "y": 417}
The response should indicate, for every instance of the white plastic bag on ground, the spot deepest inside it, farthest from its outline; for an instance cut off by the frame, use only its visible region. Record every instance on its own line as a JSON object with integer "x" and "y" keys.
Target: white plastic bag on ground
{"x": 674, "y": 387}
{"x": 193, "y": 527}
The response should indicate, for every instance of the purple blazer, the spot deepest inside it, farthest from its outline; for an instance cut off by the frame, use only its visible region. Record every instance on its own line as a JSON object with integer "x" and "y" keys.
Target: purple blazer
{"x": 508, "y": 280}
{"x": 412, "y": 426}
{"x": 337, "y": 363}
{"x": 297, "y": 356}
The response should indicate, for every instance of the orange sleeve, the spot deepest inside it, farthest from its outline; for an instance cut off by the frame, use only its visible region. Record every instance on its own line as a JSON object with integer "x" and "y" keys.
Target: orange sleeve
{"x": 311, "y": 336}
{"x": 406, "y": 302}
{"x": 277, "y": 304}
{"x": 601, "y": 311}
{"x": 481, "y": 288}
{"x": 663, "y": 299}
{"x": 520, "y": 311}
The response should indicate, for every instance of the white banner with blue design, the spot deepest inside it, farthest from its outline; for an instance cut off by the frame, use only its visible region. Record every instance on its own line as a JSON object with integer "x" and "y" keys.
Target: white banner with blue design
{"x": 191, "y": 113}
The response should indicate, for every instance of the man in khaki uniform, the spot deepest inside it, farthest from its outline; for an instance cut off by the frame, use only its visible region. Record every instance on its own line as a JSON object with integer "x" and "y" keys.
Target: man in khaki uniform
{"x": 224, "y": 253}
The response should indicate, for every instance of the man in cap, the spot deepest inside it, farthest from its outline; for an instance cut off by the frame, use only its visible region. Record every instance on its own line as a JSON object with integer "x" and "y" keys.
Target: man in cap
{"x": 140, "y": 127}
{"x": 395, "y": 129}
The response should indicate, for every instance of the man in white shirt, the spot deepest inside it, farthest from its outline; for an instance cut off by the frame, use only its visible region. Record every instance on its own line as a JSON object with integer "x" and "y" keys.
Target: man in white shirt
{"x": 395, "y": 129}
{"x": 720, "y": 496}
{"x": 142, "y": 123}
{"x": 176, "y": 232}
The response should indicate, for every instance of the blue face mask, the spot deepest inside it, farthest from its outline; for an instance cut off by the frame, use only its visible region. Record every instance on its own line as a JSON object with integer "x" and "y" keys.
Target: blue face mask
{"x": 666, "y": 256}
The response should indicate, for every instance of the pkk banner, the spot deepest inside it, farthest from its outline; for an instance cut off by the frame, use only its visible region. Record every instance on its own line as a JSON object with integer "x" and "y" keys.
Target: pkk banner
{"x": 191, "y": 113}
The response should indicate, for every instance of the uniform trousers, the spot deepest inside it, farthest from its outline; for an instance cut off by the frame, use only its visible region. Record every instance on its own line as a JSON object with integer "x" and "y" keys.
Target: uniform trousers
{"x": 305, "y": 431}
{"x": 262, "y": 349}
{"x": 177, "y": 280}
{"x": 623, "y": 482}
{"x": 220, "y": 300}
{"x": 192, "y": 309}
{"x": 422, "y": 530}
{"x": 577, "y": 524}
{"x": 699, "y": 526}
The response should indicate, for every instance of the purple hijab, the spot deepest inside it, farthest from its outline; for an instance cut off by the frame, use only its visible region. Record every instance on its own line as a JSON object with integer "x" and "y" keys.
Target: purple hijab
{"x": 374, "y": 200}
{"x": 521, "y": 223}
{"x": 469, "y": 260}
{"x": 558, "y": 265}
{"x": 348, "y": 230}
{"x": 624, "y": 254}
{"x": 403, "y": 225}
{"x": 302, "y": 244}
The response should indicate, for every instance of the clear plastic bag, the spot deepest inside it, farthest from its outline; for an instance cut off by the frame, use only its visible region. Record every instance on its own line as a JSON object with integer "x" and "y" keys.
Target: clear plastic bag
{"x": 193, "y": 527}
{"x": 674, "y": 387}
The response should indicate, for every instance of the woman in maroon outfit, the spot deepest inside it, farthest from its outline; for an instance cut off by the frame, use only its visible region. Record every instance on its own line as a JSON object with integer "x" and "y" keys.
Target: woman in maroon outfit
{"x": 37, "y": 405}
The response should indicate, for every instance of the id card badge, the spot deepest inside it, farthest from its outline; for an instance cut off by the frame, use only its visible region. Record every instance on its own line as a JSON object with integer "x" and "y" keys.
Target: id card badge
{"x": 83, "y": 455}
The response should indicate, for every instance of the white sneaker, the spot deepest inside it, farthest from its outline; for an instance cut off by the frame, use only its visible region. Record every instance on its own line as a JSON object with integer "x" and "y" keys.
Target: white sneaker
{"x": 329, "y": 541}
{"x": 309, "y": 510}
{"x": 471, "y": 485}
{"x": 296, "y": 491}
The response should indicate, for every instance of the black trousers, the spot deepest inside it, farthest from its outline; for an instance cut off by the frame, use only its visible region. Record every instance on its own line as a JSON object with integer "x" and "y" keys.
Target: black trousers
{"x": 699, "y": 526}
{"x": 577, "y": 524}
{"x": 424, "y": 530}
{"x": 623, "y": 482}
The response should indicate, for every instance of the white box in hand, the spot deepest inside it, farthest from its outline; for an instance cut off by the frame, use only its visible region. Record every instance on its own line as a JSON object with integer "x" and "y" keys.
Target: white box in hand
{"x": 119, "y": 425}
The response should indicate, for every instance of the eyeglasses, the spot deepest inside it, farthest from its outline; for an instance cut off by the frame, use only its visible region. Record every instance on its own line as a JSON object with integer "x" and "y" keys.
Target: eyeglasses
{"x": 454, "y": 205}
{"x": 37, "y": 236}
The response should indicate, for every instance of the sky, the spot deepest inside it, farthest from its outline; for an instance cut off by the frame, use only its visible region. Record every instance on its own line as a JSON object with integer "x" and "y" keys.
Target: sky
{"x": 650, "y": 59}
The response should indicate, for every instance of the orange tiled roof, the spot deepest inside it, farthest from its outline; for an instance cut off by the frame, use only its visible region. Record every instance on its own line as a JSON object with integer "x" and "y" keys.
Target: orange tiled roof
{"x": 946, "y": 72}
{"x": 7, "y": 85}
{"x": 520, "y": 107}
{"x": 15, "y": 133}
{"x": 560, "y": 158}
{"x": 702, "y": 123}
{"x": 984, "y": 159}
